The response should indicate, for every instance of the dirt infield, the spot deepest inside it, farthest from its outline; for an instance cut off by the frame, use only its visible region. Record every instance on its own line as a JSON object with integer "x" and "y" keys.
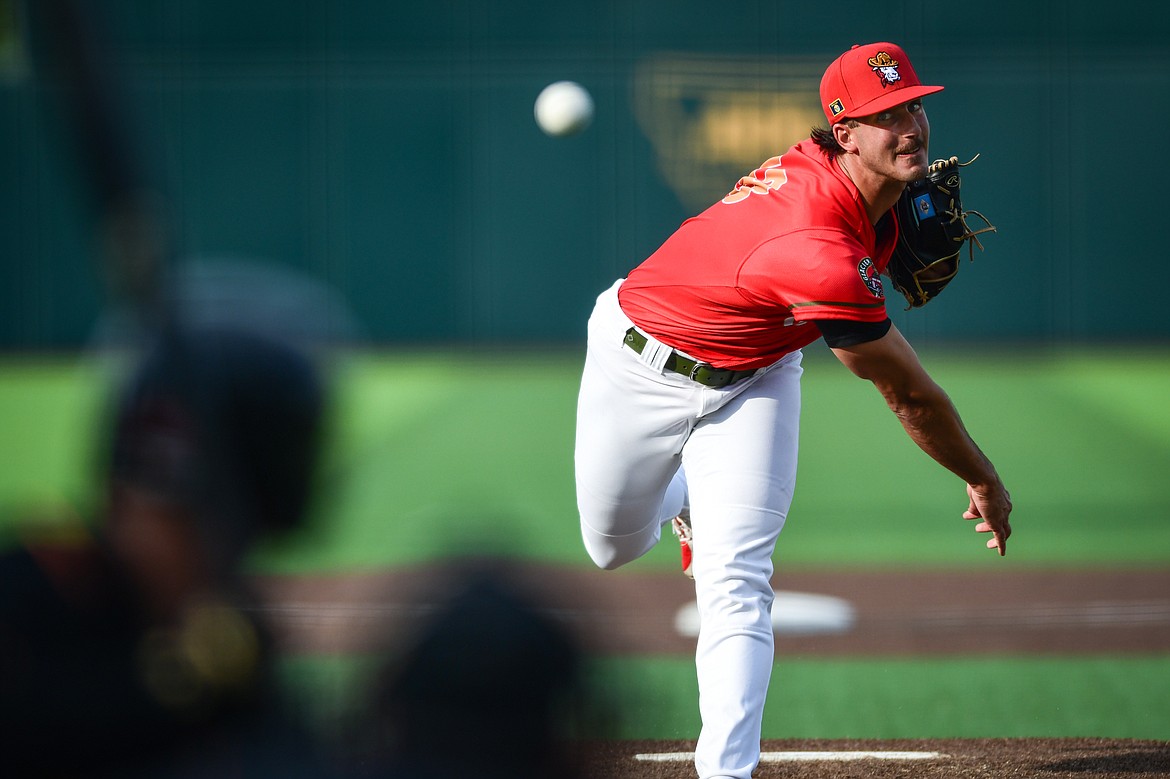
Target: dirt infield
{"x": 959, "y": 759}
{"x": 896, "y": 614}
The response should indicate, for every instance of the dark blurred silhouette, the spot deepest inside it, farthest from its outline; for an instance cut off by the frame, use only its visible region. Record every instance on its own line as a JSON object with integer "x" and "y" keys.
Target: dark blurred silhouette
{"x": 489, "y": 684}
{"x": 133, "y": 648}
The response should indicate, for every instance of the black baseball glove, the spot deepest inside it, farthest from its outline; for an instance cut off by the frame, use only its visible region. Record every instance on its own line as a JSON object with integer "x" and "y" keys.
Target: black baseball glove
{"x": 932, "y": 229}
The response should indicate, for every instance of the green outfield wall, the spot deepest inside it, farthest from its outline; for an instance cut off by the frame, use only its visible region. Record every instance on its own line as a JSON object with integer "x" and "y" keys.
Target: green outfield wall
{"x": 389, "y": 150}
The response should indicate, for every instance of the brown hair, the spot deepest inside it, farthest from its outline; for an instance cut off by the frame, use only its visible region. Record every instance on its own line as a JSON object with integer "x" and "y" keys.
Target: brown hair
{"x": 827, "y": 141}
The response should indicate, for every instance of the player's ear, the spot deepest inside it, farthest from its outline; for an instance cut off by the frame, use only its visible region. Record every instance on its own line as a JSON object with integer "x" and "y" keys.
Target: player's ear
{"x": 844, "y": 135}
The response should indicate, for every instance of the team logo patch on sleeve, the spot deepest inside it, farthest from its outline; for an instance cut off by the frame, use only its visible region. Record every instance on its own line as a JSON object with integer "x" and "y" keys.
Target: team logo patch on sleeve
{"x": 870, "y": 277}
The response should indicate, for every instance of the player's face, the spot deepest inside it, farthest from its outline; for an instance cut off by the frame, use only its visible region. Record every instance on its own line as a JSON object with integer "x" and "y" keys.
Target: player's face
{"x": 893, "y": 143}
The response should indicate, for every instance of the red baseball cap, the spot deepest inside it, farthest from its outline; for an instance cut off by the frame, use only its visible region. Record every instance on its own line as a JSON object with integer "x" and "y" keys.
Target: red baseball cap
{"x": 867, "y": 79}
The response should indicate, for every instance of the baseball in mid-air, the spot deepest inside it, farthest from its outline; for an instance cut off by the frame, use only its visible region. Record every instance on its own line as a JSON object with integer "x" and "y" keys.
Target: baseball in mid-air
{"x": 563, "y": 108}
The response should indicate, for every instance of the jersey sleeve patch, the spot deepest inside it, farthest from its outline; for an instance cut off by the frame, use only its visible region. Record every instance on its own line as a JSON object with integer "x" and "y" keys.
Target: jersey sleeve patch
{"x": 870, "y": 277}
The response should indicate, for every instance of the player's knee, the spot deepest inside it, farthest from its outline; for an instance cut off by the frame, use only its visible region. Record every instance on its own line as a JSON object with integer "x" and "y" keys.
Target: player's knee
{"x": 605, "y": 557}
{"x": 608, "y": 553}
{"x": 608, "y": 550}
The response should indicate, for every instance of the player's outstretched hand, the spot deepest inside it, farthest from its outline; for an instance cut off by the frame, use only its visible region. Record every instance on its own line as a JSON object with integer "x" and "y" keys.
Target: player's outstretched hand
{"x": 993, "y": 505}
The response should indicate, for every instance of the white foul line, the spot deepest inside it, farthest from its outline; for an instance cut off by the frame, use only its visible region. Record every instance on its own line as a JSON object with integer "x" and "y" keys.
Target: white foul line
{"x": 799, "y": 757}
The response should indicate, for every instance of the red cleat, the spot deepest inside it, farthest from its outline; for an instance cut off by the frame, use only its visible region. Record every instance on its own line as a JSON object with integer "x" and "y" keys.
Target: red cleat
{"x": 681, "y": 525}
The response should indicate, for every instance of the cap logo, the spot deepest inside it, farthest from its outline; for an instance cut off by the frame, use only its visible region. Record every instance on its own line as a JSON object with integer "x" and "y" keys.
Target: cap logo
{"x": 886, "y": 68}
{"x": 836, "y": 108}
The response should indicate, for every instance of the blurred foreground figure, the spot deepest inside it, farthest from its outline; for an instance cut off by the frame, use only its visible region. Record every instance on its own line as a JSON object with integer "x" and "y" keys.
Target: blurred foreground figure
{"x": 134, "y": 651}
{"x": 491, "y": 685}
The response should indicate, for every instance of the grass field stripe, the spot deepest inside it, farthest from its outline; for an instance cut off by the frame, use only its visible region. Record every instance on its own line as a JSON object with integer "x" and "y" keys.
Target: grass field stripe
{"x": 799, "y": 757}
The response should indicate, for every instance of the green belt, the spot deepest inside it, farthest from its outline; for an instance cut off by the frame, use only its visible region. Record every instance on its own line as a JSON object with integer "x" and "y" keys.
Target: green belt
{"x": 707, "y": 375}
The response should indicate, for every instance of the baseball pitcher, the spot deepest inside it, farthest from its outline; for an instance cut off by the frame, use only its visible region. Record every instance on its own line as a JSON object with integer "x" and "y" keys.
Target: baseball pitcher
{"x": 690, "y": 398}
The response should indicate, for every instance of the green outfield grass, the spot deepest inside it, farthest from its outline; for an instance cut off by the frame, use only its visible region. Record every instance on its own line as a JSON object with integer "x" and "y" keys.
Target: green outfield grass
{"x": 444, "y": 453}
{"x": 1003, "y": 697}
{"x": 435, "y": 454}
{"x": 888, "y": 698}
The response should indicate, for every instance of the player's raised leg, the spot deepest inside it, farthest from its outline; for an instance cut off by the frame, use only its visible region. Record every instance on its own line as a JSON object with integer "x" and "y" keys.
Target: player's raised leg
{"x": 631, "y": 427}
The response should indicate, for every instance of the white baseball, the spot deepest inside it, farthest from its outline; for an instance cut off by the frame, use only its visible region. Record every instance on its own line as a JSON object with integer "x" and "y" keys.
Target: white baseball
{"x": 563, "y": 108}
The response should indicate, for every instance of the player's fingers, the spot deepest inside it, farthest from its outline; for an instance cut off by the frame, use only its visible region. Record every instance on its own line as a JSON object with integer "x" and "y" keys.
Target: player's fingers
{"x": 972, "y": 511}
{"x": 999, "y": 541}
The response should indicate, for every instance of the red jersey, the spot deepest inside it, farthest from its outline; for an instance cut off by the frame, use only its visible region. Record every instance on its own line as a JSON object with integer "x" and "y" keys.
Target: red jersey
{"x": 738, "y": 285}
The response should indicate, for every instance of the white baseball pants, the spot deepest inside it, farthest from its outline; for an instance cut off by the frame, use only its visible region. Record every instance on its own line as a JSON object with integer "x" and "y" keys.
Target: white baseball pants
{"x": 650, "y": 442}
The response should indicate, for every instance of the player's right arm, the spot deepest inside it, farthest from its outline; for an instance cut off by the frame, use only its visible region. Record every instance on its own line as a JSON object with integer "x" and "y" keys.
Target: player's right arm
{"x": 932, "y": 422}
